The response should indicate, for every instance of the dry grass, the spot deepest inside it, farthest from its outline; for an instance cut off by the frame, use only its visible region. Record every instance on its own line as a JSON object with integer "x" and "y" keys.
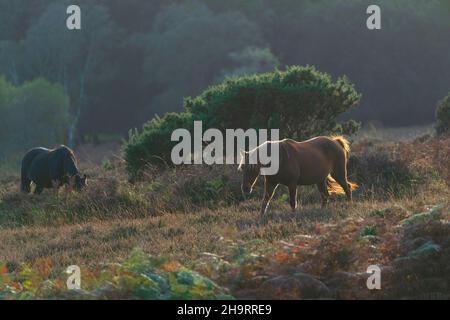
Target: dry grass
{"x": 183, "y": 236}
{"x": 185, "y": 213}
{"x": 376, "y": 131}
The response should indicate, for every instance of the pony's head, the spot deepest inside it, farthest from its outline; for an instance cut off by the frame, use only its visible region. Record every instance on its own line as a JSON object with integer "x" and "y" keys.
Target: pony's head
{"x": 250, "y": 173}
{"x": 79, "y": 182}
{"x": 69, "y": 162}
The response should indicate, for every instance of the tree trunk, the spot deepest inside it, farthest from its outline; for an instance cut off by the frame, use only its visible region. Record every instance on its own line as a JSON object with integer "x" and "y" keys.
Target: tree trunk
{"x": 73, "y": 126}
{"x": 82, "y": 96}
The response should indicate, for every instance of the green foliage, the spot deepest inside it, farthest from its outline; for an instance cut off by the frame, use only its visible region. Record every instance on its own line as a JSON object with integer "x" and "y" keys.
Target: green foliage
{"x": 203, "y": 191}
{"x": 133, "y": 68}
{"x": 443, "y": 116}
{"x": 377, "y": 213}
{"x": 139, "y": 277}
{"x": 300, "y": 101}
{"x": 107, "y": 165}
{"x": 35, "y": 113}
{"x": 427, "y": 249}
{"x": 423, "y": 216}
{"x": 153, "y": 144}
{"x": 80, "y": 61}
{"x": 369, "y": 231}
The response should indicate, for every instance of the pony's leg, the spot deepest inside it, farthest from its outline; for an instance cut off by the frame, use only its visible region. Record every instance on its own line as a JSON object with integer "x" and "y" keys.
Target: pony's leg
{"x": 25, "y": 183}
{"x": 293, "y": 197}
{"x": 323, "y": 189}
{"x": 341, "y": 178}
{"x": 55, "y": 187}
{"x": 269, "y": 190}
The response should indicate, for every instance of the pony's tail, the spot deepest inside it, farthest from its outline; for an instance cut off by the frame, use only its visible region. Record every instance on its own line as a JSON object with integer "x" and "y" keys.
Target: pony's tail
{"x": 334, "y": 187}
{"x": 345, "y": 144}
{"x": 353, "y": 186}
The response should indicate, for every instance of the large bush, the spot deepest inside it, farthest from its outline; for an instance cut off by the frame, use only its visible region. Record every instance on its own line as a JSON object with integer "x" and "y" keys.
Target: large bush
{"x": 33, "y": 114}
{"x": 153, "y": 144}
{"x": 443, "y": 116}
{"x": 300, "y": 101}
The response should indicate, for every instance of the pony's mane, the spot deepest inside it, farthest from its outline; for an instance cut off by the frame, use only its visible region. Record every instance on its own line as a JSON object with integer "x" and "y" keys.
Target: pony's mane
{"x": 66, "y": 149}
{"x": 251, "y": 166}
{"x": 70, "y": 161}
{"x": 251, "y": 153}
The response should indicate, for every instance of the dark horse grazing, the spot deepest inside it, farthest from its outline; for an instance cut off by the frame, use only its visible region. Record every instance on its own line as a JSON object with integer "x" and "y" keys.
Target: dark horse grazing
{"x": 50, "y": 169}
{"x": 321, "y": 161}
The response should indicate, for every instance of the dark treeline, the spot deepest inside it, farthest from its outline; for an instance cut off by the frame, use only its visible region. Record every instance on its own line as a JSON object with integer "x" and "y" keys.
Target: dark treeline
{"x": 133, "y": 59}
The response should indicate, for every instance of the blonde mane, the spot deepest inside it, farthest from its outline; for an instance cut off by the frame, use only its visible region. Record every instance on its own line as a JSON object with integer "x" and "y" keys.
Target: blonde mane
{"x": 253, "y": 153}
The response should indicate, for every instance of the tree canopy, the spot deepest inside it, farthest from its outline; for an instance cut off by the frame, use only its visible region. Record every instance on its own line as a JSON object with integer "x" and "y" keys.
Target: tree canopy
{"x": 33, "y": 114}
{"x": 136, "y": 59}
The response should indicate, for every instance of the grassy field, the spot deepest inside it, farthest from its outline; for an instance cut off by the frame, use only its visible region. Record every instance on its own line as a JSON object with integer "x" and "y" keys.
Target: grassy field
{"x": 195, "y": 219}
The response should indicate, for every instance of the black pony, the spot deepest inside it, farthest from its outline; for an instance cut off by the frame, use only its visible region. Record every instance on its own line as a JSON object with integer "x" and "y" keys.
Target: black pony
{"x": 50, "y": 169}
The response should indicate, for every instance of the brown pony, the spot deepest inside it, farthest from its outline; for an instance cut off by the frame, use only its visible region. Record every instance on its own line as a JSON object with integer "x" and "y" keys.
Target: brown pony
{"x": 321, "y": 161}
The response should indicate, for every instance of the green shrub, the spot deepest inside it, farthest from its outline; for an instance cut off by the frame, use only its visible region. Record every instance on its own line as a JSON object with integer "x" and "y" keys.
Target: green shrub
{"x": 299, "y": 101}
{"x": 153, "y": 144}
{"x": 443, "y": 116}
{"x": 369, "y": 231}
{"x": 202, "y": 191}
{"x": 107, "y": 165}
